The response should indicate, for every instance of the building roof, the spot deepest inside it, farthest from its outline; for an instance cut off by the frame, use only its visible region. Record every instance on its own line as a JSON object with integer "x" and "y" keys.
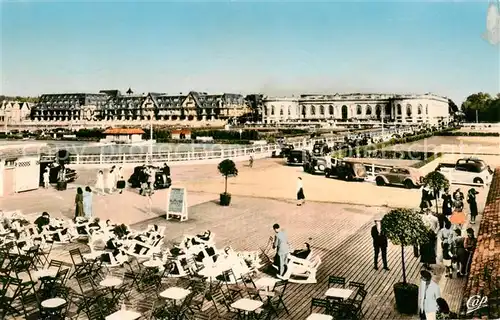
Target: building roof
{"x": 117, "y": 131}
{"x": 181, "y": 131}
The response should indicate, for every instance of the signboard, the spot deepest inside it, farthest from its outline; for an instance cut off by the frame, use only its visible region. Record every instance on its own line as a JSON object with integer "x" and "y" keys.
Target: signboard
{"x": 177, "y": 204}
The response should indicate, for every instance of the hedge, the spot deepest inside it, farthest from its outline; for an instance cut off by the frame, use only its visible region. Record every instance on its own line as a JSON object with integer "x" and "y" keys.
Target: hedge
{"x": 469, "y": 134}
{"x": 361, "y": 150}
{"x": 227, "y": 134}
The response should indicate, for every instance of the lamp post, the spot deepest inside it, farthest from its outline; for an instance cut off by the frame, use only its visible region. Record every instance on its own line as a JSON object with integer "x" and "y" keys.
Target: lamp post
{"x": 151, "y": 139}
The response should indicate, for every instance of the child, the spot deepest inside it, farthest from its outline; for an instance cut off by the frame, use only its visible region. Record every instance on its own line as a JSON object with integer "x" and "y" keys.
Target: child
{"x": 447, "y": 260}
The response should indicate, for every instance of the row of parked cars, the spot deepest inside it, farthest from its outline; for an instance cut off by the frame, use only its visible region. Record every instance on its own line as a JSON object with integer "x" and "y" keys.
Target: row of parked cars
{"x": 465, "y": 171}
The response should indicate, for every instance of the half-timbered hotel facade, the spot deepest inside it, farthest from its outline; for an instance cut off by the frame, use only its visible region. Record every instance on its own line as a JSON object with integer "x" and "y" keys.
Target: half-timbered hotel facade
{"x": 397, "y": 108}
{"x": 111, "y": 105}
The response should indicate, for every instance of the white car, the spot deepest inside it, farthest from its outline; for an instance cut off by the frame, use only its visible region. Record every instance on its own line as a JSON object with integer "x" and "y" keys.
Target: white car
{"x": 467, "y": 171}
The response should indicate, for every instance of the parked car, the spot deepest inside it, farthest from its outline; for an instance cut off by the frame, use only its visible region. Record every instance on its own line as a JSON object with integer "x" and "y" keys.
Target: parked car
{"x": 315, "y": 164}
{"x": 321, "y": 148}
{"x": 54, "y": 169}
{"x": 285, "y": 150}
{"x": 162, "y": 179}
{"x": 297, "y": 157}
{"x": 405, "y": 176}
{"x": 467, "y": 171}
{"x": 346, "y": 170}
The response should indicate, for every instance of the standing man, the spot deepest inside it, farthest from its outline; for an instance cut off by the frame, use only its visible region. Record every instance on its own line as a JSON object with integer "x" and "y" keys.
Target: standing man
{"x": 379, "y": 245}
{"x": 282, "y": 248}
{"x": 428, "y": 293}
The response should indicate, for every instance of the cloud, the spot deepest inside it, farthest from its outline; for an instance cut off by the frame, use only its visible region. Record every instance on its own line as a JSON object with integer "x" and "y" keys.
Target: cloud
{"x": 492, "y": 34}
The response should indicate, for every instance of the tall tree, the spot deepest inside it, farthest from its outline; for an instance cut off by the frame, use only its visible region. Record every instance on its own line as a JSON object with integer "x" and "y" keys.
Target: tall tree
{"x": 482, "y": 104}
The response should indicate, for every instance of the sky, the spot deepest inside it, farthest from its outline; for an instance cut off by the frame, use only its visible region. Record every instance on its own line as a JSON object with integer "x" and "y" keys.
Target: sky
{"x": 275, "y": 48}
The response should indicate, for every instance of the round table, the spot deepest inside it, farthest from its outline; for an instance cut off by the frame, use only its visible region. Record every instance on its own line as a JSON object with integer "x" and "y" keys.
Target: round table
{"x": 54, "y": 306}
{"x": 111, "y": 282}
{"x": 152, "y": 263}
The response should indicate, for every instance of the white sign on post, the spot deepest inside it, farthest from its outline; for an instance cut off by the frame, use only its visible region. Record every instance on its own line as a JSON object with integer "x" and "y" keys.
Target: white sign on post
{"x": 177, "y": 204}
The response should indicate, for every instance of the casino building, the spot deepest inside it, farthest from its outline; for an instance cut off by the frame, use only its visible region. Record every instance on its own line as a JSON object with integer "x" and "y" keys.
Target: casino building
{"x": 111, "y": 105}
{"x": 395, "y": 108}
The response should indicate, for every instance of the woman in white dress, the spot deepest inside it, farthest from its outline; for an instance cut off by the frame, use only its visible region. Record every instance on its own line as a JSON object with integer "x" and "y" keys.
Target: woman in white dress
{"x": 99, "y": 185}
{"x": 111, "y": 181}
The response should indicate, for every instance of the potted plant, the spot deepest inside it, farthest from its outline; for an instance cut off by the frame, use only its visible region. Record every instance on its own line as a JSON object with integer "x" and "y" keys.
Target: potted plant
{"x": 404, "y": 227}
{"x": 436, "y": 181}
{"x": 228, "y": 169}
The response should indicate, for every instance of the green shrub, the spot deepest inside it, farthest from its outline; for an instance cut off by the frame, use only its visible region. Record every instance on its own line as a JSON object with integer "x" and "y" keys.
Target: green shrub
{"x": 468, "y": 134}
{"x": 362, "y": 151}
{"x": 89, "y": 133}
{"x": 227, "y": 134}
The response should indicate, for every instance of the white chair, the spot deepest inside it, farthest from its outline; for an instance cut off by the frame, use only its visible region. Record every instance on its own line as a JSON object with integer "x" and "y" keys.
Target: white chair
{"x": 146, "y": 250}
{"x": 303, "y": 273}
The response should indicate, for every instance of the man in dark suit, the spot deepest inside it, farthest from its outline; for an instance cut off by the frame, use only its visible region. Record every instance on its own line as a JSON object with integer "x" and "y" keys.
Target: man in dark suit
{"x": 379, "y": 245}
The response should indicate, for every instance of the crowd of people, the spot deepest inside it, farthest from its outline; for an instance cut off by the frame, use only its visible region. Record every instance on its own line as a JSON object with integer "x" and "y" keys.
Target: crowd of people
{"x": 446, "y": 245}
{"x": 110, "y": 183}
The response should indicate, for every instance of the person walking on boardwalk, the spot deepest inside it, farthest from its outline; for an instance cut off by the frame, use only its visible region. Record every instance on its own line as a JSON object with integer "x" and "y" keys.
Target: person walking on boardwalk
{"x": 428, "y": 293}
{"x": 111, "y": 180}
{"x": 447, "y": 207}
{"x": 99, "y": 184}
{"x": 428, "y": 248}
{"x": 379, "y": 245}
{"x": 471, "y": 199}
{"x": 300, "y": 192}
{"x": 46, "y": 178}
{"x": 79, "y": 203}
{"x": 282, "y": 248}
{"x": 470, "y": 243}
{"x": 250, "y": 161}
{"x": 458, "y": 200}
{"x": 87, "y": 202}
{"x": 120, "y": 183}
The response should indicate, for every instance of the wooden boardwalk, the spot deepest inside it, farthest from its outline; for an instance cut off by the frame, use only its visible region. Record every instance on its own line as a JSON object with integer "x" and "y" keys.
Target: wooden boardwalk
{"x": 340, "y": 234}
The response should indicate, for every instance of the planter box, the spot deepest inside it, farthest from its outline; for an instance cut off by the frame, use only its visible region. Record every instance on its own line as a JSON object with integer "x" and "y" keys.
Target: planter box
{"x": 225, "y": 199}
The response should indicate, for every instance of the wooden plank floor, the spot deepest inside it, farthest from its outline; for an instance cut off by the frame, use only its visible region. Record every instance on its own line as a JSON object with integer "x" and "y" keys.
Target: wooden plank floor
{"x": 340, "y": 234}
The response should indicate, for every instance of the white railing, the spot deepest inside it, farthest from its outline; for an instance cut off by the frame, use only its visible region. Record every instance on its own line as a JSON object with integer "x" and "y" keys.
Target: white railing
{"x": 168, "y": 157}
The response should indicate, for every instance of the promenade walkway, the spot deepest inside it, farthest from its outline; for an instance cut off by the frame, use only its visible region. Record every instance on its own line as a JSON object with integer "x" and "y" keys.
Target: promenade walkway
{"x": 338, "y": 232}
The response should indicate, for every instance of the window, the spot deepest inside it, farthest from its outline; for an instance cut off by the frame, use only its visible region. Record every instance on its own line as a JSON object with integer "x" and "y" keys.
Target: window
{"x": 419, "y": 109}
{"x": 426, "y": 109}
{"x": 272, "y": 110}
{"x": 330, "y": 110}
{"x": 289, "y": 110}
{"x": 321, "y": 110}
{"x": 313, "y": 110}
{"x": 399, "y": 109}
{"x": 359, "y": 110}
{"x": 281, "y": 111}
{"x": 408, "y": 110}
{"x": 368, "y": 110}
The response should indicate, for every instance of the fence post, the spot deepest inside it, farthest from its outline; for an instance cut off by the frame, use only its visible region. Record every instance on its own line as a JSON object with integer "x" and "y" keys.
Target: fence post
{"x": 100, "y": 158}
{"x": 123, "y": 160}
{"x": 77, "y": 158}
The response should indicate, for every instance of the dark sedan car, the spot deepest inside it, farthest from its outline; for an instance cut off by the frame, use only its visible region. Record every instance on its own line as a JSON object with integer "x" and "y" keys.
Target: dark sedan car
{"x": 162, "y": 177}
{"x": 54, "y": 169}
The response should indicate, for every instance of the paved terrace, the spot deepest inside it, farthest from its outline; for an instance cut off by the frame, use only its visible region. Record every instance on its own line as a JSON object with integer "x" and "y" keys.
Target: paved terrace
{"x": 338, "y": 232}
